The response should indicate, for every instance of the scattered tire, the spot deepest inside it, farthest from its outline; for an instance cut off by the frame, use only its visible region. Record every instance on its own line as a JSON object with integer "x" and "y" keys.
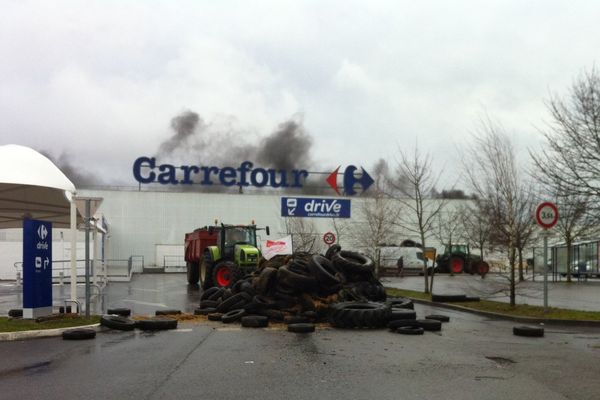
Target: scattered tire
{"x": 117, "y": 322}
{"x": 393, "y": 325}
{"x": 402, "y": 313}
{"x": 429, "y": 324}
{"x": 216, "y": 316}
{"x": 448, "y": 298}
{"x": 528, "y": 331}
{"x": 233, "y": 315}
{"x": 15, "y": 313}
{"x": 168, "y": 312}
{"x": 204, "y": 311}
{"x": 359, "y": 315}
{"x": 157, "y": 324}
{"x": 301, "y": 328}
{"x": 123, "y": 312}
{"x": 295, "y": 319}
{"x": 209, "y": 303}
{"x": 401, "y": 302}
{"x": 79, "y": 334}
{"x": 255, "y": 321}
{"x": 438, "y": 317}
{"x": 410, "y": 330}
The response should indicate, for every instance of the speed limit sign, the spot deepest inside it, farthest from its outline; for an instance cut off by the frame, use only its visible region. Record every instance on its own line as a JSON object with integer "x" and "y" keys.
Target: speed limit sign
{"x": 329, "y": 238}
{"x": 546, "y": 215}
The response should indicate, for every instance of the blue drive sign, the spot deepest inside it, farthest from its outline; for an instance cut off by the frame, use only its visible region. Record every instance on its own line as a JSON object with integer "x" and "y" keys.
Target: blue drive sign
{"x": 37, "y": 268}
{"x": 315, "y": 207}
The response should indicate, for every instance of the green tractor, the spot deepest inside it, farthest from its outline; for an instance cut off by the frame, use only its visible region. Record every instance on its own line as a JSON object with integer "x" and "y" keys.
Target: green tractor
{"x": 221, "y": 255}
{"x": 457, "y": 258}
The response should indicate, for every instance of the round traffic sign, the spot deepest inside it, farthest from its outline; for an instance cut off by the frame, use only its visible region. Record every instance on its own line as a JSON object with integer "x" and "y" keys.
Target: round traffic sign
{"x": 329, "y": 238}
{"x": 546, "y": 215}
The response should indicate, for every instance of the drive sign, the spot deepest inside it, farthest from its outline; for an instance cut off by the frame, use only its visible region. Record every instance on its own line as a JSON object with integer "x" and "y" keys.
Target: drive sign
{"x": 546, "y": 215}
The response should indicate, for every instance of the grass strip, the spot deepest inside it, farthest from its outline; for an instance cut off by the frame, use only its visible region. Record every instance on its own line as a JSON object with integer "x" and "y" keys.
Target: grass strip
{"x": 8, "y": 324}
{"x": 520, "y": 310}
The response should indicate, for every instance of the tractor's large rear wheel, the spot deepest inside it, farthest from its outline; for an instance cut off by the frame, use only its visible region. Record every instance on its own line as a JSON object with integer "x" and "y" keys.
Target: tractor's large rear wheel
{"x": 225, "y": 274}
{"x": 206, "y": 272}
{"x": 193, "y": 272}
{"x": 457, "y": 265}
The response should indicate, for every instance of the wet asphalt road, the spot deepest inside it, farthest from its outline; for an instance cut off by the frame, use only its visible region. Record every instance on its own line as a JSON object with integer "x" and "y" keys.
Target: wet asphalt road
{"x": 473, "y": 357}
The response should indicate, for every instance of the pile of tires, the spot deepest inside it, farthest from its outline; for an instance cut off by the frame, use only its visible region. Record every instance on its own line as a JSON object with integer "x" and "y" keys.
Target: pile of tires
{"x": 302, "y": 285}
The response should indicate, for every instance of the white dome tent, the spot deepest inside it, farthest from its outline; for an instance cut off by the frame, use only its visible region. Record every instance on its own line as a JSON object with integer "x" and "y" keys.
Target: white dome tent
{"x": 31, "y": 186}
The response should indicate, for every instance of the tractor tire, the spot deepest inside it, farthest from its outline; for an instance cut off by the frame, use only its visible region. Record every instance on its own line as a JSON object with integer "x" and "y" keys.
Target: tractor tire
{"x": 359, "y": 315}
{"x": 301, "y": 327}
{"x": 429, "y": 324}
{"x": 266, "y": 280}
{"x": 438, "y": 317}
{"x": 296, "y": 279}
{"x": 324, "y": 271}
{"x": 332, "y": 250}
{"x": 448, "y": 298}
{"x": 393, "y": 325}
{"x": 123, "y": 312}
{"x": 457, "y": 265}
{"x": 352, "y": 262}
{"x": 402, "y": 314}
{"x": 206, "y": 273}
{"x": 482, "y": 268}
{"x": 193, "y": 272}
{"x": 167, "y": 312}
{"x": 225, "y": 274}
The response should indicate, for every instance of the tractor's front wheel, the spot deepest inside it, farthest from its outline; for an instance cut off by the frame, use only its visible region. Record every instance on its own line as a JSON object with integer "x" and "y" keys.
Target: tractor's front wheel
{"x": 206, "y": 272}
{"x": 193, "y": 272}
{"x": 457, "y": 265}
{"x": 225, "y": 274}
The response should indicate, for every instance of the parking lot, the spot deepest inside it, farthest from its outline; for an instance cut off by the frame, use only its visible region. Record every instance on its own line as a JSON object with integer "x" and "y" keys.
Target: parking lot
{"x": 473, "y": 357}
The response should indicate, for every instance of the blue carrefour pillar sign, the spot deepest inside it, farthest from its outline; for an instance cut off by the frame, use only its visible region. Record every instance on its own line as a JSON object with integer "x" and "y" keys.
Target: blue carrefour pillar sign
{"x": 37, "y": 268}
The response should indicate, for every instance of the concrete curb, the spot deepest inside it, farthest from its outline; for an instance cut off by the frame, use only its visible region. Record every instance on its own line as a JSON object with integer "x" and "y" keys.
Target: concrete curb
{"x": 527, "y": 320}
{"x": 42, "y": 333}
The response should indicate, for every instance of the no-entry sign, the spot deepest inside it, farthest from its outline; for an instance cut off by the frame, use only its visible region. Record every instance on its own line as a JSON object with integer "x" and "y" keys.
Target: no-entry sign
{"x": 546, "y": 215}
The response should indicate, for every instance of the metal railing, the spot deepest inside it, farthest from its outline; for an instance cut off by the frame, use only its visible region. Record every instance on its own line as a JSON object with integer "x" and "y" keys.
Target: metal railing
{"x": 115, "y": 269}
{"x": 174, "y": 263}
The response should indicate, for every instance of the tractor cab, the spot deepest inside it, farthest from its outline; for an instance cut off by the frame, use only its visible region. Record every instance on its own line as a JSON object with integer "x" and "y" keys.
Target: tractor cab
{"x": 238, "y": 244}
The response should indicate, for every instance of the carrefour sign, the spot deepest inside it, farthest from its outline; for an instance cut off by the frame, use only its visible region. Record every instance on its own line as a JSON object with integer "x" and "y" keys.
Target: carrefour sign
{"x": 146, "y": 170}
{"x": 315, "y": 207}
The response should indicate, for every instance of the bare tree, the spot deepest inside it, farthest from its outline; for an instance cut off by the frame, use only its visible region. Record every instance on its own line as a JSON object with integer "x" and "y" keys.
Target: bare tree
{"x": 412, "y": 188}
{"x": 572, "y": 156}
{"x": 305, "y": 237}
{"x": 476, "y": 222}
{"x": 494, "y": 176}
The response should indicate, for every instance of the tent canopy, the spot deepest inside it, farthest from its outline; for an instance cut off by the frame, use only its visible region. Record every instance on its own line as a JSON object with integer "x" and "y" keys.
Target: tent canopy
{"x": 31, "y": 186}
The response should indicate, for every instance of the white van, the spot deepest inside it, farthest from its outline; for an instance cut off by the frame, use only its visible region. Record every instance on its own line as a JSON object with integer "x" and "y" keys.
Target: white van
{"x": 412, "y": 259}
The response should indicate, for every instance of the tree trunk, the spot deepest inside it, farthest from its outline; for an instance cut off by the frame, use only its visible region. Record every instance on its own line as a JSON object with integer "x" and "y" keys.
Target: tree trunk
{"x": 512, "y": 257}
{"x": 569, "y": 244}
{"x": 424, "y": 264}
{"x": 521, "y": 277}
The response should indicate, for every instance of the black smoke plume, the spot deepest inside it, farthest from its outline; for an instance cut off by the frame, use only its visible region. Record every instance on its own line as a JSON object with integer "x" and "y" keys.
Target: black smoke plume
{"x": 77, "y": 175}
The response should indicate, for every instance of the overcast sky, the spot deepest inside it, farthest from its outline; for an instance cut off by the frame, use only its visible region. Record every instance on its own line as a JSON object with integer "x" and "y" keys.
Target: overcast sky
{"x": 101, "y": 81}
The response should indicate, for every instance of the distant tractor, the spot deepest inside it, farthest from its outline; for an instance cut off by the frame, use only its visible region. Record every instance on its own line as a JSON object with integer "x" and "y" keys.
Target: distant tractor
{"x": 458, "y": 258}
{"x": 221, "y": 255}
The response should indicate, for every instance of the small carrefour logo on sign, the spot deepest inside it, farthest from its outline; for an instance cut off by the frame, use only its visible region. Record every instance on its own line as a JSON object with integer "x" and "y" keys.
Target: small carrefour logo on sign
{"x": 42, "y": 232}
{"x": 350, "y": 180}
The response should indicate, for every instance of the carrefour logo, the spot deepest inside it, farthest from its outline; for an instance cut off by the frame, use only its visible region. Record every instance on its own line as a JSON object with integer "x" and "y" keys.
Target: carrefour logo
{"x": 146, "y": 171}
{"x": 350, "y": 180}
